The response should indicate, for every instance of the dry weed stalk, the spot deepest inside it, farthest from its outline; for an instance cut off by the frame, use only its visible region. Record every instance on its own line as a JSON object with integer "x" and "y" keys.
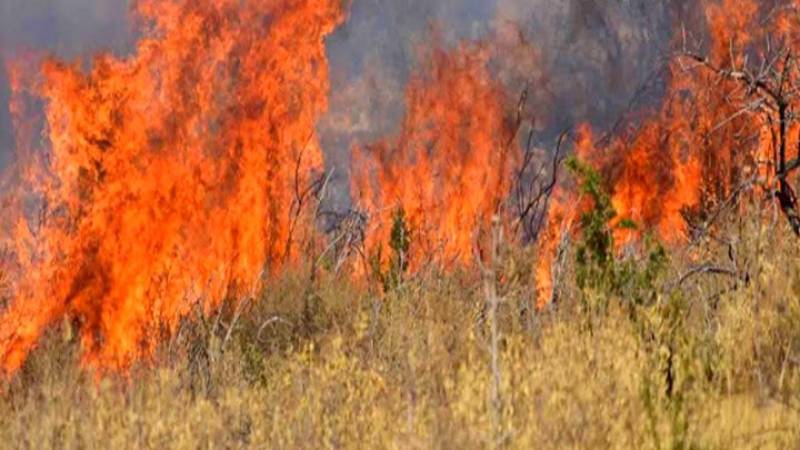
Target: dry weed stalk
{"x": 492, "y": 302}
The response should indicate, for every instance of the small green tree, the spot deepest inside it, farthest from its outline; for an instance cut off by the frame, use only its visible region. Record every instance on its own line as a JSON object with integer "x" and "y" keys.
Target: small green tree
{"x": 594, "y": 253}
{"x": 400, "y": 244}
{"x": 600, "y": 272}
{"x": 658, "y": 321}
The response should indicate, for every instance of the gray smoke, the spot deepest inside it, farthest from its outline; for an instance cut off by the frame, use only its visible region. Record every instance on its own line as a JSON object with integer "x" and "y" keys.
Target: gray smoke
{"x": 5, "y": 119}
{"x": 597, "y": 53}
{"x": 67, "y": 28}
{"x": 593, "y": 55}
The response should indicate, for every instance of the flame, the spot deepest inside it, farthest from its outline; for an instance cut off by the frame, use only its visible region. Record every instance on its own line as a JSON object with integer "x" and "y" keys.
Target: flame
{"x": 693, "y": 153}
{"x": 170, "y": 177}
{"x": 449, "y": 168}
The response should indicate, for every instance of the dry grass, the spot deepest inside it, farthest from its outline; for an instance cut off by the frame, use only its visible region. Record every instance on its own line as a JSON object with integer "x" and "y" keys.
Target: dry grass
{"x": 713, "y": 364}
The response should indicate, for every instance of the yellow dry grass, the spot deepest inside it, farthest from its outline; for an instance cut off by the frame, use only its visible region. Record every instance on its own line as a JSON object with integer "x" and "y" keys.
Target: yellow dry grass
{"x": 714, "y": 364}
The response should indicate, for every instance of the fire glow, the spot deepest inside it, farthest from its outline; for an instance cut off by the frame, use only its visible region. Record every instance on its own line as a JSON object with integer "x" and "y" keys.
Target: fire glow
{"x": 169, "y": 175}
{"x": 168, "y": 180}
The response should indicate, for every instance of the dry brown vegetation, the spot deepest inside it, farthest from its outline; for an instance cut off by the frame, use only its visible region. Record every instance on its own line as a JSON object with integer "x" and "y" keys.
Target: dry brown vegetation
{"x": 707, "y": 357}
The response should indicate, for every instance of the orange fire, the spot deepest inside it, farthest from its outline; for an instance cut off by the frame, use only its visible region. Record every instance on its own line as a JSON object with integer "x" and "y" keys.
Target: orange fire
{"x": 709, "y": 136}
{"x": 170, "y": 179}
{"x": 449, "y": 168}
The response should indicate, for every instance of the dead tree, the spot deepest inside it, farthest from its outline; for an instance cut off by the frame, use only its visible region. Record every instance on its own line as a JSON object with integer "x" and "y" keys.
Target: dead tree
{"x": 770, "y": 87}
{"x": 534, "y": 186}
{"x": 534, "y": 180}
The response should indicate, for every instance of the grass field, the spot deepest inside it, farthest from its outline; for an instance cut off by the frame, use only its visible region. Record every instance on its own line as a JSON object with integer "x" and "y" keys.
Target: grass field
{"x": 692, "y": 357}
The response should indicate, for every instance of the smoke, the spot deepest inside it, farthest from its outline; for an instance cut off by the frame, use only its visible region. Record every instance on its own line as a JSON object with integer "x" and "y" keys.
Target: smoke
{"x": 592, "y": 55}
{"x": 596, "y": 53}
{"x": 65, "y": 28}
{"x": 5, "y": 120}
{"x": 585, "y": 60}
{"x": 372, "y": 56}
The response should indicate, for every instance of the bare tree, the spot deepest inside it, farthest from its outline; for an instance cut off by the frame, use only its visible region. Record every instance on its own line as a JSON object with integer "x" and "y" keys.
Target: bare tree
{"x": 534, "y": 185}
{"x": 768, "y": 80}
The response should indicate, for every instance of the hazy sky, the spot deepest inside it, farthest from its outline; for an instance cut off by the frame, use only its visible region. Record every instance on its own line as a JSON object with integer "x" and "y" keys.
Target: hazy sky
{"x": 69, "y": 28}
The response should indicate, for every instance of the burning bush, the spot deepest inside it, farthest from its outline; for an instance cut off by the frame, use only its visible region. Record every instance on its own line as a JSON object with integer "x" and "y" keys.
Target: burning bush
{"x": 450, "y": 166}
{"x": 171, "y": 178}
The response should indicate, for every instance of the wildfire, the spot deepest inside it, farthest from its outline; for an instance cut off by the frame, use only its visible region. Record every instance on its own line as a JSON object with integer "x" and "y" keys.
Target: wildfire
{"x": 711, "y": 134}
{"x": 169, "y": 178}
{"x": 172, "y": 179}
{"x": 450, "y": 166}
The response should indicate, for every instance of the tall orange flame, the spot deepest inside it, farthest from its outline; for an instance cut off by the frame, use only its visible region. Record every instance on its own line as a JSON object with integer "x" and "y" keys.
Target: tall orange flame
{"x": 450, "y": 166}
{"x": 170, "y": 176}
